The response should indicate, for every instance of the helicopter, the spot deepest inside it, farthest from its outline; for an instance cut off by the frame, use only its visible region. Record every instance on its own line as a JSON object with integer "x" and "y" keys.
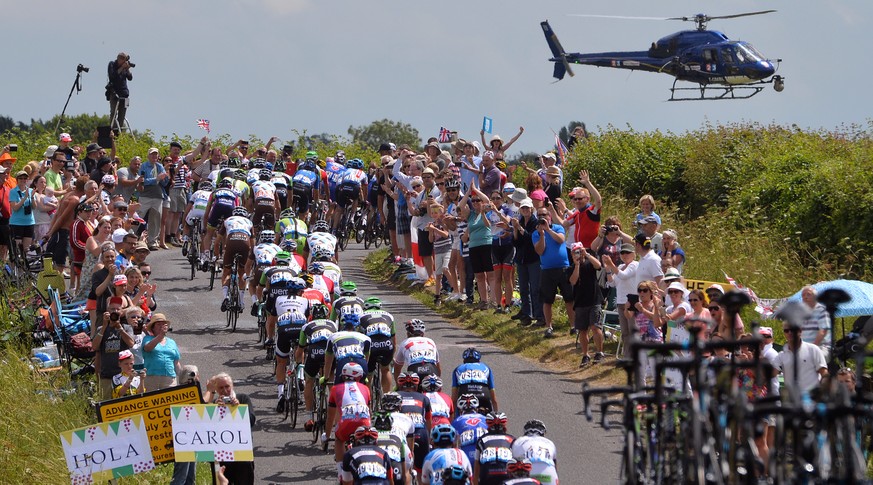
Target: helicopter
{"x": 722, "y": 68}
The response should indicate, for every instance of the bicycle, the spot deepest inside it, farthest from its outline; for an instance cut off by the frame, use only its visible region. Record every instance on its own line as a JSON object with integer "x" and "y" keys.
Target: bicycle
{"x": 212, "y": 266}
{"x": 360, "y": 224}
{"x": 193, "y": 246}
{"x": 376, "y": 389}
{"x": 262, "y": 323}
{"x": 234, "y": 307}
{"x": 321, "y": 391}
{"x": 374, "y": 233}
{"x": 343, "y": 230}
{"x": 293, "y": 391}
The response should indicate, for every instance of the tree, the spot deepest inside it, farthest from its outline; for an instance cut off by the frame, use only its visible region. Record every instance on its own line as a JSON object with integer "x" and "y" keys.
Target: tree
{"x": 386, "y": 131}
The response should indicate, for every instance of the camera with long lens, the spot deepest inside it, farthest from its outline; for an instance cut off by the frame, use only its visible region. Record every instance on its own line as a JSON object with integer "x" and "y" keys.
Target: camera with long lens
{"x": 81, "y": 68}
{"x": 130, "y": 63}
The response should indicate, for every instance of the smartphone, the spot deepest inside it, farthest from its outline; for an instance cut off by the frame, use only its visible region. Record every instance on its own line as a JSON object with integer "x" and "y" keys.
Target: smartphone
{"x": 632, "y": 301}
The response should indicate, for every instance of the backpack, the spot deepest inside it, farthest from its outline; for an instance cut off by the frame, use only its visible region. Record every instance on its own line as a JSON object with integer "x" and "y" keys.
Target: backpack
{"x": 80, "y": 345}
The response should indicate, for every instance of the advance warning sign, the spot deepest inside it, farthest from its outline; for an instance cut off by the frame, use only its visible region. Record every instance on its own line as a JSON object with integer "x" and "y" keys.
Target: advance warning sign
{"x": 155, "y": 409}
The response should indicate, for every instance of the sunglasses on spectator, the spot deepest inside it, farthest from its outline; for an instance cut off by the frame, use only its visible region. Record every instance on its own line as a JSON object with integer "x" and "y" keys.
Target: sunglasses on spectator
{"x": 642, "y": 290}
{"x": 497, "y": 198}
{"x": 694, "y": 299}
{"x": 475, "y": 200}
{"x": 581, "y": 198}
{"x": 715, "y": 308}
{"x": 674, "y": 291}
{"x": 452, "y": 190}
{"x": 146, "y": 273}
{"x": 441, "y": 184}
{"x": 544, "y": 214}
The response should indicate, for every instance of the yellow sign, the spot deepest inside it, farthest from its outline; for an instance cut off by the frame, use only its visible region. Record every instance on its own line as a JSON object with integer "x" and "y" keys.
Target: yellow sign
{"x": 155, "y": 410}
{"x": 703, "y": 285}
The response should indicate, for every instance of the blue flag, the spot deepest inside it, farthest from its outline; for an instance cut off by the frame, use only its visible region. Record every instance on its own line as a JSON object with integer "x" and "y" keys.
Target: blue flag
{"x": 487, "y": 124}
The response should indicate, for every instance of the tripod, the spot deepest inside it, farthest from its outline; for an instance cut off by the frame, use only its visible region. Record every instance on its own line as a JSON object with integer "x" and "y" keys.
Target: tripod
{"x": 77, "y": 87}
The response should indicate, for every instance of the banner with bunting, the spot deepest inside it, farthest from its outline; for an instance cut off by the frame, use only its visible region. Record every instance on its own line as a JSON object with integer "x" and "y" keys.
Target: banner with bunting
{"x": 212, "y": 432}
{"x": 107, "y": 451}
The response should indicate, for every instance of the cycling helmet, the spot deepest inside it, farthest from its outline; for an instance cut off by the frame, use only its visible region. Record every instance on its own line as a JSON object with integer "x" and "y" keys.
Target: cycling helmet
{"x": 519, "y": 468}
{"x": 372, "y": 303}
{"x": 391, "y": 402}
{"x": 225, "y": 183}
{"x": 468, "y": 402}
{"x": 240, "y": 211}
{"x": 455, "y": 474}
{"x": 443, "y": 434}
{"x": 296, "y": 284}
{"x": 355, "y": 163}
{"x": 322, "y": 164}
{"x": 352, "y": 371}
{"x": 351, "y": 320}
{"x": 266, "y": 236}
{"x": 322, "y": 254}
{"x": 496, "y": 421}
{"x": 265, "y": 174}
{"x": 308, "y": 165}
{"x": 348, "y": 288}
{"x": 283, "y": 258}
{"x": 365, "y": 434}
{"x": 415, "y": 327}
{"x": 316, "y": 268}
{"x": 408, "y": 380}
{"x": 259, "y": 163}
{"x": 535, "y": 426}
{"x": 453, "y": 184}
{"x": 340, "y": 157}
{"x": 311, "y": 156}
{"x": 289, "y": 245}
{"x": 383, "y": 421}
{"x": 233, "y": 162}
{"x": 241, "y": 175}
{"x": 307, "y": 278}
{"x": 472, "y": 355}
{"x": 205, "y": 185}
{"x": 321, "y": 226}
{"x": 320, "y": 311}
{"x": 288, "y": 214}
{"x": 432, "y": 384}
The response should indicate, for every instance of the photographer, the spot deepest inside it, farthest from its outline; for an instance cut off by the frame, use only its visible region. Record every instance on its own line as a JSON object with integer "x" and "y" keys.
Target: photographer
{"x": 117, "y": 92}
{"x": 22, "y": 220}
{"x": 128, "y": 382}
{"x": 112, "y": 338}
{"x": 219, "y": 390}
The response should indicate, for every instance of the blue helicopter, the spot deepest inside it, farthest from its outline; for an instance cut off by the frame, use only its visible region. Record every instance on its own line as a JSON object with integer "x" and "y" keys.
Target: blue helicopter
{"x": 722, "y": 68}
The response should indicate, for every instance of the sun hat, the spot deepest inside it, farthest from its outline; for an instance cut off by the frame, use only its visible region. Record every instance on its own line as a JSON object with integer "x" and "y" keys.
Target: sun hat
{"x": 518, "y": 195}
{"x": 65, "y": 137}
{"x": 526, "y": 203}
{"x": 672, "y": 274}
{"x": 627, "y": 248}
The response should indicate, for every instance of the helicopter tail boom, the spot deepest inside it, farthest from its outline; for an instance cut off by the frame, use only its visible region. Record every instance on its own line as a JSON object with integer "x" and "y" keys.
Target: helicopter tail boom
{"x": 562, "y": 67}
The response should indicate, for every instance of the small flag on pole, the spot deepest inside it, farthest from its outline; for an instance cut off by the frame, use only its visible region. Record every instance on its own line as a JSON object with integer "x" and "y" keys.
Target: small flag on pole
{"x": 445, "y": 135}
{"x": 562, "y": 150}
{"x": 203, "y": 123}
{"x": 487, "y": 124}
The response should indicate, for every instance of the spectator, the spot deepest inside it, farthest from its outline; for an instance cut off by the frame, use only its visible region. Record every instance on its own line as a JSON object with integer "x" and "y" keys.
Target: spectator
{"x": 671, "y": 252}
{"x": 469, "y": 164}
{"x": 549, "y": 244}
{"x": 802, "y": 363}
{"x": 220, "y": 390}
{"x": 5, "y": 214}
{"x": 117, "y": 91}
{"x": 502, "y": 280}
{"x": 478, "y": 238}
{"x": 101, "y": 279}
{"x": 623, "y": 277}
{"x": 140, "y": 294}
{"x": 489, "y": 174}
{"x": 527, "y": 262}
{"x": 720, "y": 317}
{"x": 134, "y": 317}
{"x": 647, "y": 315}
{"x": 580, "y": 134}
{"x": 7, "y": 161}
{"x": 677, "y": 307}
{"x": 58, "y": 235}
{"x": 440, "y": 239}
{"x": 108, "y": 342}
{"x": 697, "y": 300}
{"x": 45, "y": 204}
{"x": 846, "y": 376}
{"x": 610, "y": 239}
{"x": 456, "y": 271}
{"x": 93, "y": 164}
{"x": 177, "y": 167}
{"x": 53, "y": 177}
{"x": 129, "y": 178}
{"x": 585, "y": 215}
{"x": 128, "y": 382}
{"x": 418, "y": 201}
{"x": 496, "y": 144}
{"x": 587, "y": 302}
{"x": 647, "y": 209}
{"x": 649, "y": 228}
{"x": 80, "y": 232}
{"x": 22, "y": 219}
{"x": 817, "y": 328}
{"x": 414, "y": 168}
{"x": 534, "y": 185}
{"x": 650, "y": 264}
{"x": 152, "y": 195}
{"x": 160, "y": 354}
{"x": 552, "y": 184}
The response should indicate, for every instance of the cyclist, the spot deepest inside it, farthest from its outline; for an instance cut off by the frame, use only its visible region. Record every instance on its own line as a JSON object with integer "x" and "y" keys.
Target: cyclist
{"x": 348, "y": 406}
{"x": 291, "y": 247}
{"x": 262, "y": 257}
{"x": 290, "y": 228}
{"x": 288, "y": 314}
{"x": 312, "y": 345}
{"x": 470, "y": 425}
{"x": 282, "y": 182}
{"x": 379, "y": 326}
{"x": 321, "y": 282}
{"x": 265, "y": 202}
{"x": 417, "y": 353}
{"x": 351, "y": 190}
{"x": 346, "y": 346}
{"x": 241, "y": 188}
{"x": 305, "y": 185}
{"x": 365, "y": 463}
{"x": 276, "y": 278}
{"x": 493, "y": 451}
{"x": 520, "y": 470}
{"x": 348, "y": 302}
{"x": 320, "y": 243}
{"x": 402, "y": 424}
{"x": 474, "y": 377}
{"x": 394, "y": 444}
{"x": 417, "y": 406}
{"x": 334, "y": 171}
{"x": 443, "y": 455}
{"x": 238, "y": 233}
{"x": 442, "y": 409}
{"x": 221, "y": 204}
{"x": 196, "y": 209}
{"x": 538, "y": 451}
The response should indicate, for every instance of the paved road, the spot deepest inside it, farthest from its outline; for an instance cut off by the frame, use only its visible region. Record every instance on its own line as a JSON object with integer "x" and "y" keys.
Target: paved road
{"x": 586, "y": 454}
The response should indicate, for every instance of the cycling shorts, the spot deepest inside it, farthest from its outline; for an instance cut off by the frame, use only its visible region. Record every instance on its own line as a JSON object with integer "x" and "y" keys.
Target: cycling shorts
{"x": 302, "y": 198}
{"x": 382, "y": 357}
{"x": 287, "y": 337}
{"x": 347, "y": 193}
{"x": 282, "y": 195}
{"x": 346, "y": 428}
{"x": 195, "y": 214}
{"x": 313, "y": 366}
{"x": 260, "y": 210}
{"x": 218, "y": 213}
{"x": 423, "y": 370}
{"x": 237, "y": 243}
{"x": 421, "y": 444}
{"x": 258, "y": 271}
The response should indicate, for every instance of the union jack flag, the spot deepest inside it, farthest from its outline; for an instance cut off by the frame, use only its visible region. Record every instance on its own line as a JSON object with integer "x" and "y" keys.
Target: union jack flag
{"x": 203, "y": 123}
{"x": 562, "y": 150}
{"x": 445, "y": 135}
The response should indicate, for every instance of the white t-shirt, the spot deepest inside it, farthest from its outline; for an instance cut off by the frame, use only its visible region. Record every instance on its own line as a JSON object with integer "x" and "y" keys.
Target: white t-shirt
{"x": 649, "y": 268}
{"x": 625, "y": 282}
{"x": 811, "y": 361}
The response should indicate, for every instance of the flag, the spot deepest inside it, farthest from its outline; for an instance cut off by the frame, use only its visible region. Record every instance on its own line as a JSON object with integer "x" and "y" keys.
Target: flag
{"x": 562, "y": 150}
{"x": 202, "y": 123}
{"x": 445, "y": 135}
{"x": 487, "y": 124}
{"x": 764, "y": 308}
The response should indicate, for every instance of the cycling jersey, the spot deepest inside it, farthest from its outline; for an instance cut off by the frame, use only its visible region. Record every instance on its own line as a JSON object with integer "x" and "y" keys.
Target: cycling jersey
{"x": 542, "y": 455}
{"x": 441, "y": 408}
{"x": 286, "y": 303}
{"x": 348, "y": 347}
{"x": 241, "y": 189}
{"x": 367, "y": 464}
{"x": 198, "y": 200}
{"x": 314, "y": 338}
{"x": 493, "y": 452}
{"x": 379, "y": 326}
{"x": 223, "y": 203}
{"x": 288, "y": 329}
{"x": 293, "y": 229}
{"x": 278, "y": 277}
{"x": 333, "y": 272}
{"x": 417, "y": 406}
{"x": 347, "y": 305}
{"x": 264, "y": 191}
{"x": 419, "y": 355}
{"x": 324, "y": 240}
{"x": 238, "y": 225}
{"x": 474, "y": 378}
{"x": 470, "y": 427}
{"x": 305, "y": 179}
{"x": 438, "y": 460}
{"x": 253, "y": 175}
{"x": 263, "y": 254}
{"x": 324, "y": 285}
{"x": 335, "y": 172}
{"x": 354, "y": 176}
{"x": 395, "y": 446}
{"x": 316, "y": 296}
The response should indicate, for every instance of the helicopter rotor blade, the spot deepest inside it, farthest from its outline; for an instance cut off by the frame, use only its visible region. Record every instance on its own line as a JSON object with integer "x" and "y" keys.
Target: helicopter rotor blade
{"x": 740, "y": 15}
{"x": 621, "y": 17}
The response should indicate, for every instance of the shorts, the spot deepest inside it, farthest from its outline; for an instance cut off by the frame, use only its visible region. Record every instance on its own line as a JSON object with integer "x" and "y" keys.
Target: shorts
{"x": 423, "y": 370}
{"x": 347, "y": 193}
{"x": 313, "y": 366}
{"x": 480, "y": 259}
{"x": 219, "y": 213}
{"x": 302, "y": 197}
{"x": 421, "y": 446}
{"x": 553, "y": 280}
{"x": 391, "y": 217}
{"x": 262, "y": 209}
{"x": 258, "y": 271}
{"x": 587, "y": 317}
{"x": 403, "y": 221}
{"x": 287, "y": 337}
{"x": 195, "y": 214}
{"x": 178, "y": 200}
{"x": 21, "y": 232}
{"x": 5, "y": 232}
{"x": 282, "y": 196}
{"x": 237, "y": 243}
{"x": 502, "y": 256}
{"x": 425, "y": 247}
{"x": 165, "y": 202}
{"x": 382, "y": 357}
{"x": 441, "y": 262}
{"x": 57, "y": 245}
{"x": 346, "y": 428}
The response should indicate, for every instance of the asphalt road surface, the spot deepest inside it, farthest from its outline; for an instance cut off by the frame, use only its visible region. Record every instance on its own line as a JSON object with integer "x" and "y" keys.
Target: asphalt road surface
{"x": 525, "y": 390}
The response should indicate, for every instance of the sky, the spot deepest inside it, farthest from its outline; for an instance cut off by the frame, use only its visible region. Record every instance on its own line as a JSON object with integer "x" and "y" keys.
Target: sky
{"x": 267, "y": 67}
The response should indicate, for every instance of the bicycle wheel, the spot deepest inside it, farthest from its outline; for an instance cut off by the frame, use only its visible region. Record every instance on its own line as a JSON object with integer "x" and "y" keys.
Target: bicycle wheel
{"x": 293, "y": 404}
{"x": 376, "y": 390}
{"x": 368, "y": 234}
{"x": 262, "y": 324}
{"x": 212, "y": 271}
{"x": 318, "y": 425}
{"x": 286, "y": 393}
{"x": 360, "y": 229}
{"x": 378, "y": 234}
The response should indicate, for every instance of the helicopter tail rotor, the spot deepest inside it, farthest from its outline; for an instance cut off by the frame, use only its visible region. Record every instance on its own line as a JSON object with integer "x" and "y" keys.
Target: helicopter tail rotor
{"x": 562, "y": 67}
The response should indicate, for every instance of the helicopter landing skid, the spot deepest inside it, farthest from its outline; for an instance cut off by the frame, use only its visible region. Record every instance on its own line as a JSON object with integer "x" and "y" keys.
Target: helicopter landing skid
{"x": 713, "y": 93}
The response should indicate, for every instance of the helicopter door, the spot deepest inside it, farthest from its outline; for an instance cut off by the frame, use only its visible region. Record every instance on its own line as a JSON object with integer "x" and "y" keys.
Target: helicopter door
{"x": 710, "y": 60}
{"x": 728, "y": 57}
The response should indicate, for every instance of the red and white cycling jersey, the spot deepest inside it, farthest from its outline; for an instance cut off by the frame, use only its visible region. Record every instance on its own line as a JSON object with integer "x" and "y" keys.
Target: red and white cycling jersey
{"x": 352, "y": 399}
{"x": 417, "y": 350}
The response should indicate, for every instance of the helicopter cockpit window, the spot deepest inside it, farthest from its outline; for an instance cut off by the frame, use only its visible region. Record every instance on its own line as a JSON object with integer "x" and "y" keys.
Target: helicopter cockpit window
{"x": 727, "y": 55}
{"x": 747, "y": 53}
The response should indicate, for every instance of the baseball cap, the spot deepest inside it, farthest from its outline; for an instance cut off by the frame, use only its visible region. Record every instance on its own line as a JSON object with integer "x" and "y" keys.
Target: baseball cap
{"x": 677, "y": 286}
{"x": 648, "y": 220}
{"x": 765, "y": 331}
{"x": 108, "y": 179}
{"x": 153, "y": 150}
{"x": 125, "y": 354}
{"x": 118, "y": 236}
{"x": 384, "y": 147}
{"x": 142, "y": 246}
{"x": 526, "y": 203}
{"x": 65, "y": 137}
{"x": 717, "y": 287}
{"x": 119, "y": 280}
{"x": 550, "y": 156}
{"x": 509, "y": 187}
{"x": 672, "y": 274}
{"x": 21, "y": 173}
{"x": 93, "y": 147}
{"x": 627, "y": 248}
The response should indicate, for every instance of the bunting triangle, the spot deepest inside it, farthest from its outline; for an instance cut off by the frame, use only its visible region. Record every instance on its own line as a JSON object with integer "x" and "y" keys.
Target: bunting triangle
{"x": 210, "y": 410}
{"x": 242, "y": 410}
{"x": 67, "y": 436}
{"x": 114, "y": 426}
{"x": 176, "y": 411}
{"x": 104, "y": 428}
{"x": 80, "y": 433}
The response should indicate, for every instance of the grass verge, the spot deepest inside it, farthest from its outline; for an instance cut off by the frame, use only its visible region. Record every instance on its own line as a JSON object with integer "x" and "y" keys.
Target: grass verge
{"x": 559, "y": 353}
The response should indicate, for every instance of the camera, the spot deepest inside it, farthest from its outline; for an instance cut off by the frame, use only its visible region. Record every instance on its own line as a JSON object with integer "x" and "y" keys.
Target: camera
{"x": 114, "y": 316}
{"x": 130, "y": 63}
{"x": 81, "y": 68}
{"x": 287, "y": 150}
{"x": 226, "y": 399}
{"x": 611, "y": 229}
{"x": 13, "y": 147}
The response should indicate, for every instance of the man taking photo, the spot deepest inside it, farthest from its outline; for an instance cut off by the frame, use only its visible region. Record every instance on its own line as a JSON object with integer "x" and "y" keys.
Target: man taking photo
{"x": 117, "y": 92}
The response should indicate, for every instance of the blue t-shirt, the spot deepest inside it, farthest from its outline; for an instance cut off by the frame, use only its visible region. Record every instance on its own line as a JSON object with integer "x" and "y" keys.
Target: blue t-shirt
{"x": 161, "y": 361}
{"x": 18, "y": 217}
{"x": 480, "y": 234}
{"x": 555, "y": 255}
